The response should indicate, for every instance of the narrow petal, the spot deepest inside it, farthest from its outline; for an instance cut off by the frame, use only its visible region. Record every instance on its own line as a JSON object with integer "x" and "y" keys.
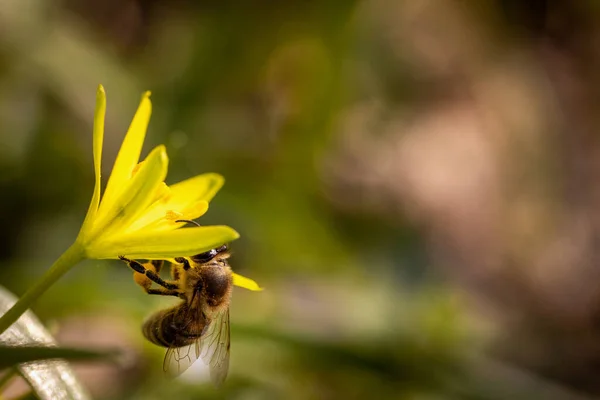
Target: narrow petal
{"x": 137, "y": 194}
{"x": 167, "y": 222}
{"x": 129, "y": 154}
{"x": 204, "y": 187}
{"x": 164, "y": 245}
{"x": 189, "y": 198}
{"x": 246, "y": 283}
{"x": 98, "y": 139}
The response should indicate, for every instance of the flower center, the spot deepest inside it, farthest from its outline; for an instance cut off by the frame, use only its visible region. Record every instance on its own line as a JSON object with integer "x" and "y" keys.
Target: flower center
{"x": 172, "y": 216}
{"x": 190, "y": 213}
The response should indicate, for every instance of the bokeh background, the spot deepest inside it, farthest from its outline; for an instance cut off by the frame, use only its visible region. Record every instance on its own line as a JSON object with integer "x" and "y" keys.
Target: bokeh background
{"x": 416, "y": 184}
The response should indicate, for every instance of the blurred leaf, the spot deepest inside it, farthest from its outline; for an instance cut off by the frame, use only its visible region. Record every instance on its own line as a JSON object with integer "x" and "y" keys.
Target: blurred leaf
{"x": 405, "y": 364}
{"x": 10, "y": 356}
{"x": 52, "y": 379}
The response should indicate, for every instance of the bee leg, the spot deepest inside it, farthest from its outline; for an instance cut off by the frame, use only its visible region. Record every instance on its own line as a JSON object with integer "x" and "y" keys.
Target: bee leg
{"x": 184, "y": 261}
{"x": 139, "y": 277}
{"x": 163, "y": 292}
{"x": 147, "y": 274}
{"x": 158, "y": 264}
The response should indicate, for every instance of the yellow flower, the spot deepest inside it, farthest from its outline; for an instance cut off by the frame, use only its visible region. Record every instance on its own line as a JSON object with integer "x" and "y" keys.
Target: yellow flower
{"x": 137, "y": 213}
{"x": 137, "y": 216}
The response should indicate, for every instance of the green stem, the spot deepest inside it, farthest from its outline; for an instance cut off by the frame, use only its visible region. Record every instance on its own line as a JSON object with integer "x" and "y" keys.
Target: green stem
{"x": 65, "y": 262}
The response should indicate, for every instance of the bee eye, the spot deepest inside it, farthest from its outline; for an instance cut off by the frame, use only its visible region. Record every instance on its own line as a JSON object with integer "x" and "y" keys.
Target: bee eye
{"x": 204, "y": 257}
{"x": 222, "y": 248}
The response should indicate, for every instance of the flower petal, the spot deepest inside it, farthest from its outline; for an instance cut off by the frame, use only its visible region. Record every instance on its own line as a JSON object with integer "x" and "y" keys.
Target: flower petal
{"x": 188, "y": 197}
{"x": 129, "y": 154}
{"x": 137, "y": 194}
{"x": 246, "y": 283}
{"x": 163, "y": 245}
{"x": 167, "y": 222}
{"x": 98, "y": 138}
{"x": 204, "y": 186}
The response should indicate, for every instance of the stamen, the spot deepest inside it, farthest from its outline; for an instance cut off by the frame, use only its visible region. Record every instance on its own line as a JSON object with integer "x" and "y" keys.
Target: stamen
{"x": 173, "y": 215}
{"x": 136, "y": 168}
{"x": 163, "y": 193}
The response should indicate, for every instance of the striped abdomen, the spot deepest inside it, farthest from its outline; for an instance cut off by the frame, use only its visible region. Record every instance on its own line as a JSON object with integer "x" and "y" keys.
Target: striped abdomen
{"x": 174, "y": 327}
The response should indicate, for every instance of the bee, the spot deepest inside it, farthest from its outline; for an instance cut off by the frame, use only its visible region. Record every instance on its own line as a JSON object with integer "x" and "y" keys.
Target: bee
{"x": 198, "y": 327}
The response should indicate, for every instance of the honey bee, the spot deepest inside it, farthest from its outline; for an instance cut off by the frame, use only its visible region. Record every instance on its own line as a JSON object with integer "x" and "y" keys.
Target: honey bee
{"x": 198, "y": 327}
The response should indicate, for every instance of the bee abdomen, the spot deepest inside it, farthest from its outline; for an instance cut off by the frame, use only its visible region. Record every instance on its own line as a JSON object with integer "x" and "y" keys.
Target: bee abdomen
{"x": 153, "y": 328}
{"x": 163, "y": 329}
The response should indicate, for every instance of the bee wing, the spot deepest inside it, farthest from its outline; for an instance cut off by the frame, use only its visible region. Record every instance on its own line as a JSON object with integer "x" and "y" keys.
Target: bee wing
{"x": 215, "y": 347}
{"x": 178, "y": 359}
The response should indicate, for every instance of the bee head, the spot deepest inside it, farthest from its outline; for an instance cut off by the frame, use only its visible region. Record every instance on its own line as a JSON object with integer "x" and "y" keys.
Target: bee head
{"x": 209, "y": 255}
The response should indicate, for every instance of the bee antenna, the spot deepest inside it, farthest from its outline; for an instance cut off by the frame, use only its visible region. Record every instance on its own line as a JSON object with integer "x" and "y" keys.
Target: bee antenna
{"x": 188, "y": 221}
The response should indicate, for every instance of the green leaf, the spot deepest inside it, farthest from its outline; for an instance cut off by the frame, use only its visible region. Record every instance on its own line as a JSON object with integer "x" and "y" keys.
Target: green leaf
{"x": 50, "y": 380}
{"x": 11, "y": 356}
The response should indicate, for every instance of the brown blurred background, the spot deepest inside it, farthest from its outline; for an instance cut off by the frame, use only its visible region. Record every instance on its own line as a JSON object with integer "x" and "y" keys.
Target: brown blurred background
{"x": 415, "y": 183}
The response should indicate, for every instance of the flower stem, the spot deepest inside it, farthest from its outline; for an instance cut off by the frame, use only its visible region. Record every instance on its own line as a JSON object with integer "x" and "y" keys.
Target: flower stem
{"x": 65, "y": 262}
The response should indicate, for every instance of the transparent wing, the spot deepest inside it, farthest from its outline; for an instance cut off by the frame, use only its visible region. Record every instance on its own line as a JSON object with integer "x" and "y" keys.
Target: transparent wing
{"x": 178, "y": 359}
{"x": 215, "y": 347}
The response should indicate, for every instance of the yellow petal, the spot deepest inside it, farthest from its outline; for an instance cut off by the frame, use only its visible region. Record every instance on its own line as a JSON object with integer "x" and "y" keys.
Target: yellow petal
{"x": 98, "y": 138}
{"x": 137, "y": 194}
{"x": 129, "y": 154}
{"x": 246, "y": 283}
{"x": 167, "y": 222}
{"x": 203, "y": 186}
{"x": 188, "y": 198}
{"x": 163, "y": 245}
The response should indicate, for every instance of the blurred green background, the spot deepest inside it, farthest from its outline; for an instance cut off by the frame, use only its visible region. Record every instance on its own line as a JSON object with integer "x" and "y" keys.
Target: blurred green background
{"x": 415, "y": 184}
